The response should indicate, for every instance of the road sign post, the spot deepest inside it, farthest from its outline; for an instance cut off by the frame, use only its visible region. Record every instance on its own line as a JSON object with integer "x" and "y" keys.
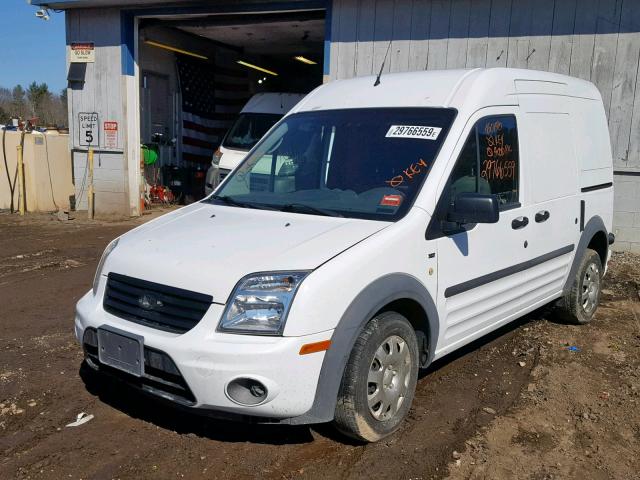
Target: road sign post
{"x": 90, "y": 194}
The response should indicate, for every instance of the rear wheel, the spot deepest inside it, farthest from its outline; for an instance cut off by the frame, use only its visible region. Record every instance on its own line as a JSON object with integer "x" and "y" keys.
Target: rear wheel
{"x": 579, "y": 305}
{"x": 380, "y": 378}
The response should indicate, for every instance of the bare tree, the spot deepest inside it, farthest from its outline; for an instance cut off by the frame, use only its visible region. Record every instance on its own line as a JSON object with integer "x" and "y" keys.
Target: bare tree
{"x": 37, "y": 101}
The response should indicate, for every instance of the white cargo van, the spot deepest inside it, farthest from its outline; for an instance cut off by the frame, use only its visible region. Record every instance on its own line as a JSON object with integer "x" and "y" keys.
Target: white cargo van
{"x": 395, "y": 224}
{"x": 261, "y": 112}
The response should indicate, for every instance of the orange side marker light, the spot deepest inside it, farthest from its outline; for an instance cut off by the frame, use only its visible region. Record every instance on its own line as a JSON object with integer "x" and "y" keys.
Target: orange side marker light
{"x": 315, "y": 347}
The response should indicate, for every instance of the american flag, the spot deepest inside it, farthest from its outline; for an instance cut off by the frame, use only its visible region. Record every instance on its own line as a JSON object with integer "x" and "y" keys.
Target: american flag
{"x": 212, "y": 96}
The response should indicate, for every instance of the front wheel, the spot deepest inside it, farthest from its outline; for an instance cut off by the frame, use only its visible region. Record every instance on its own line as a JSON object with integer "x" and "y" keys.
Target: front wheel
{"x": 379, "y": 380}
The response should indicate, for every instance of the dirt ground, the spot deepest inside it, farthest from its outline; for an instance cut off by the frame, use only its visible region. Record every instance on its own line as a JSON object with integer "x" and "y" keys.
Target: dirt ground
{"x": 519, "y": 404}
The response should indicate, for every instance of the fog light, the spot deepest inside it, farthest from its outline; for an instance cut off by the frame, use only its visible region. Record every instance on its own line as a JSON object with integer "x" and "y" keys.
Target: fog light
{"x": 257, "y": 390}
{"x": 246, "y": 391}
{"x": 90, "y": 337}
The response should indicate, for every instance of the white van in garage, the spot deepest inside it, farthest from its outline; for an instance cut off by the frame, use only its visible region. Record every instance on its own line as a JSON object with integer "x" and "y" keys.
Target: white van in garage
{"x": 261, "y": 112}
{"x": 395, "y": 224}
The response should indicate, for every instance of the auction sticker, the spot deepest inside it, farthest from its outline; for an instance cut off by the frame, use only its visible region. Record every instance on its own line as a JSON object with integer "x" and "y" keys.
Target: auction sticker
{"x": 391, "y": 201}
{"x": 413, "y": 131}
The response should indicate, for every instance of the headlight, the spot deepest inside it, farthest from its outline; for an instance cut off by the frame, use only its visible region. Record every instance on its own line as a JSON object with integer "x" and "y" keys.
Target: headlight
{"x": 217, "y": 155}
{"x": 105, "y": 254}
{"x": 260, "y": 303}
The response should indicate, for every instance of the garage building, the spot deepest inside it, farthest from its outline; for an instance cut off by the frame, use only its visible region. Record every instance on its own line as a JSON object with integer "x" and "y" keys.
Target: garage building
{"x": 176, "y": 73}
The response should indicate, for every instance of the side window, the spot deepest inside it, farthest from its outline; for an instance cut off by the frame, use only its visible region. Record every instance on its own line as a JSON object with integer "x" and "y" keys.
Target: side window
{"x": 464, "y": 177}
{"x": 498, "y": 157}
{"x": 488, "y": 162}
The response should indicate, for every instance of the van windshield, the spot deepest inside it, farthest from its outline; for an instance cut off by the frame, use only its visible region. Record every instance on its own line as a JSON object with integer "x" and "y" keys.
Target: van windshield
{"x": 248, "y": 129}
{"x": 360, "y": 163}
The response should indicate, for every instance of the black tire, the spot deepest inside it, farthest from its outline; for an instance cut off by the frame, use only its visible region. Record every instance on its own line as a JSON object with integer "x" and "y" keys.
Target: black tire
{"x": 587, "y": 283}
{"x": 353, "y": 416}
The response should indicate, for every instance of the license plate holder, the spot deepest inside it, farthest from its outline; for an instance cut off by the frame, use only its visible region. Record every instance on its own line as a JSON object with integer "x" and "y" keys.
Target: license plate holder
{"x": 121, "y": 350}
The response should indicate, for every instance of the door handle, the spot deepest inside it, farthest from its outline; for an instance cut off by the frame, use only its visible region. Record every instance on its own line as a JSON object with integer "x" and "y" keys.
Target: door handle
{"x": 542, "y": 216}
{"x": 519, "y": 223}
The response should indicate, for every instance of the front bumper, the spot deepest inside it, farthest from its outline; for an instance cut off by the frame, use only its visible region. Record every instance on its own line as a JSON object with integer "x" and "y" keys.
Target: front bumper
{"x": 208, "y": 360}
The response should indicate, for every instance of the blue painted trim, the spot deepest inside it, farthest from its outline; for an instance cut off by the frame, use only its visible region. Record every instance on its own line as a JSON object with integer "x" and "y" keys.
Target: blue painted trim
{"x": 127, "y": 43}
{"x": 290, "y": 5}
{"x": 326, "y": 68}
{"x": 57, "y": 2}
{"x": 244, "y": 7}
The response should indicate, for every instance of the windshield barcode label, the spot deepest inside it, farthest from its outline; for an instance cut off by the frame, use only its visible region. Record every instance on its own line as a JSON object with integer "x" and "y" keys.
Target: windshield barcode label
{"x": 413, "y": 131}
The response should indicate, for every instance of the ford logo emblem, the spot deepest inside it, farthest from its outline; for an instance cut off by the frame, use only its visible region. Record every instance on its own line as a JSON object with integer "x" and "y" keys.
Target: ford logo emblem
{"x": 149, "y": 302}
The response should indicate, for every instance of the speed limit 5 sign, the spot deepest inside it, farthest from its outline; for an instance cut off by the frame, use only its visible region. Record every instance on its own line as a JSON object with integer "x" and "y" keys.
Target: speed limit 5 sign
{"x": 89, "y": 129}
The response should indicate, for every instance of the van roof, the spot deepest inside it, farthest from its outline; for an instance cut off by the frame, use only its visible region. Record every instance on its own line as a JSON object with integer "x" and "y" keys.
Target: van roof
{"x": 469, "y": 88}
{"x": 272, "y": 102}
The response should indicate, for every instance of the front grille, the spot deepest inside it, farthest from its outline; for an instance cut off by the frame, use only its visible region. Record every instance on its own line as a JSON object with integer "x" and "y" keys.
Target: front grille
{"x": 159, "y": 306}
{"x": 161, "y": 376}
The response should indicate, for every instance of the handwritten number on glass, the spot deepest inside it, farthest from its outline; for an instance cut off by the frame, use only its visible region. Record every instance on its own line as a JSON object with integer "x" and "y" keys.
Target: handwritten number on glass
{"x": 408, "y": 173}
{"x": 497, "y": 165}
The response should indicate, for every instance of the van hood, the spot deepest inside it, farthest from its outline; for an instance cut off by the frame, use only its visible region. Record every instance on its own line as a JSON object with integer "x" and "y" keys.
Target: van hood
{"x": 231, "y": 158}
{"x": 209, "y": 248}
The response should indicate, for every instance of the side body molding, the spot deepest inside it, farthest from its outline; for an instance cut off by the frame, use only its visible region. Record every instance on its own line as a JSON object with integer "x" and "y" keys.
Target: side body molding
{"x": 366, "y": 304}
{"x": 593, "y": 226}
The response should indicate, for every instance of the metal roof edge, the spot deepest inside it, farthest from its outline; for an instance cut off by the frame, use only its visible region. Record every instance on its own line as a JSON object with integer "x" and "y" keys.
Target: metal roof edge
{"x": 176, "y": 4}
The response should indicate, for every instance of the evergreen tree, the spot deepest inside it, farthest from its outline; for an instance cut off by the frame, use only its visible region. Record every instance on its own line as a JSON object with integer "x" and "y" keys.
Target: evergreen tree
{"x": 18, "y": 102}
{"x": 36, "y": 101}
{"x": 39, "y": 97}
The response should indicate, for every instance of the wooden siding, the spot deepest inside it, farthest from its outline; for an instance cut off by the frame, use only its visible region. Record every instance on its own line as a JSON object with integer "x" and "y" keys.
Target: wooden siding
{"x": 598, "y": 40}
{"x": 102, "y": 92}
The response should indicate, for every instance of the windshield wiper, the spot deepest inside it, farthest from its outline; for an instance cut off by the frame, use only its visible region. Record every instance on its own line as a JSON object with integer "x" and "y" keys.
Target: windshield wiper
{"x": 304, "y": 208}
{"x": 230, "y": 201}
{"x": 289, "y": 207}
{"x": 237, "y": 203}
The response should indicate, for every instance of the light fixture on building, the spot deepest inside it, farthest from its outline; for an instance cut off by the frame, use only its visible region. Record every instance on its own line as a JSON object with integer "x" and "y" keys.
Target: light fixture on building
{"x": 255, "y": 67}
{"x": 302, "y": 59}
{"x": 42, "y": 13}
{"x": 175, "y": 49}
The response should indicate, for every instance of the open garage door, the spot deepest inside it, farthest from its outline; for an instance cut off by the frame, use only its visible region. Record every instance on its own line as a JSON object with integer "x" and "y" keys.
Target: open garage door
{"x": 198, "y": 71}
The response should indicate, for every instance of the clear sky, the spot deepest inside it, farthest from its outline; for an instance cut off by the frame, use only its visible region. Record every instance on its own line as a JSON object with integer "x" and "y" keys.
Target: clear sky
{"x": 31, "y": 49}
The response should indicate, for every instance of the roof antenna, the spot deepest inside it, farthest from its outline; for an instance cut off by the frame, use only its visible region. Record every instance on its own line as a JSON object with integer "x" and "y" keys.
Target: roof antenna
{"x": 377, "y": 82}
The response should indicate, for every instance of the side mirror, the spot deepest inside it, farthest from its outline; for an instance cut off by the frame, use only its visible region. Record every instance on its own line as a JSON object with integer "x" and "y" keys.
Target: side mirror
{"x": 475, "y": 208}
